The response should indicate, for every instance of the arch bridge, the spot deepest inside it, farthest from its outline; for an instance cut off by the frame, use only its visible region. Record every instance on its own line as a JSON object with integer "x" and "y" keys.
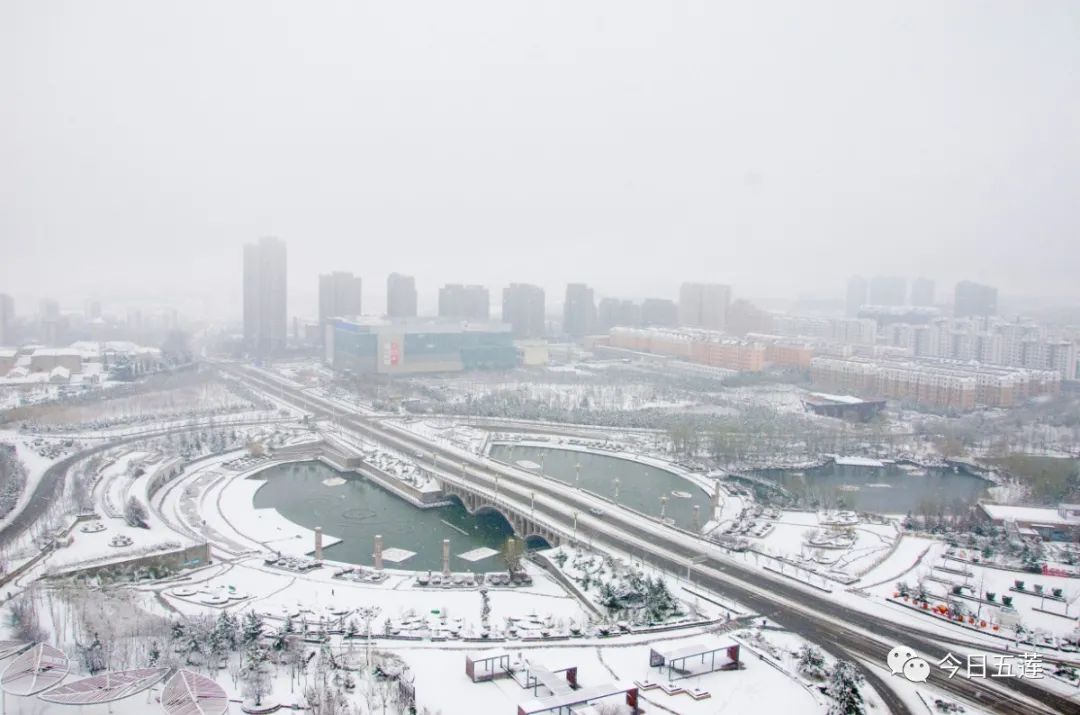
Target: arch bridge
{"x": 524, "y": 524}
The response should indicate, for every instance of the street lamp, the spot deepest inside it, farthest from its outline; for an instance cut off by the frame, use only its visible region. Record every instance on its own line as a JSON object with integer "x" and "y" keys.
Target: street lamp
{"x": 693, "y": 561}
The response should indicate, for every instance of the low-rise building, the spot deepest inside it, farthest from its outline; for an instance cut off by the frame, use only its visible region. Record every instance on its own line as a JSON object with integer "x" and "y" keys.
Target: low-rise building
{"x": 45, "y": 359}
{"x": 1060, "y": 523}
{"x": 703, "y": 347}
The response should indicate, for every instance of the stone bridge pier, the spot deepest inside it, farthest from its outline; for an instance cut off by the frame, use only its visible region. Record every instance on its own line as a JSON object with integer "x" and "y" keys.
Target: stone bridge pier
{"x": 523, "y": 523}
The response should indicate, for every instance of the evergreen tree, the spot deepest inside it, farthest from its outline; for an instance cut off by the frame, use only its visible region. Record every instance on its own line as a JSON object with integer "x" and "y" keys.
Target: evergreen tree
{"x": 94, "y": 656}
{"x": 844, "y": 685}
{"x": 252, "y": 628}
{"x": 227, "y": 629}
{"x": 811, "y": 662}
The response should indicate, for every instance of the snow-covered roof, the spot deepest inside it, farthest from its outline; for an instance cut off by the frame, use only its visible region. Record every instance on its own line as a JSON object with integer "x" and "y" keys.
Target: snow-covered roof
{"x": 843, "y": 399}
{"x": 1043, "y": 515}
{"x": 57, "y": 352}
{"x": 7, "y": 352}
{"x": 93, "y": 348}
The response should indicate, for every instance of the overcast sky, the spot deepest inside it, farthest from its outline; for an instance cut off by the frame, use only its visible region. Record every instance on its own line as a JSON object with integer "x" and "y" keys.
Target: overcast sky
{"x": 777, "y": 146}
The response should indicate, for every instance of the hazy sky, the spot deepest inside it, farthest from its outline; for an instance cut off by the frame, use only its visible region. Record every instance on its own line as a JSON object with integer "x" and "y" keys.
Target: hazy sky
{"x": 778, "y": 146}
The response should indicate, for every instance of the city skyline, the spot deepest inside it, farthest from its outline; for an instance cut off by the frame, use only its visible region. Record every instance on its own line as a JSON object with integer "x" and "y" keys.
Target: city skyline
{"x": 877, "y": 159}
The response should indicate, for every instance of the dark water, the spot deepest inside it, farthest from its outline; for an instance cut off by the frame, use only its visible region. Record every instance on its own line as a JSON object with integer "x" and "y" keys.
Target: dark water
{"x": 359, "y": 509}
{"x": 640, "y": 485}
{"x": 887, "y": 490}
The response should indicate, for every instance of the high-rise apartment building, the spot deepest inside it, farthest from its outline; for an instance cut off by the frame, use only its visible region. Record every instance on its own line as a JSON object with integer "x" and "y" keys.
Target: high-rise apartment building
{"x": 614, "y": 311}
{"x": 464, "y": 302}
{"x": 856, "y": 296}
{"x": 340, "y": 295}
{"x": 579, "y": 310}
{"x": 888, "y": 290}
{"x": 523, "y": 309}
{"x": 265, "y": 322}
{"x": 704, "y": 305}
{"x": 922, "y": 292}
{"x": 400, "y": 296}
{"x": 7, "y": 319}
{"x": 659, "y": 312}
{"x": 974, "y": 299}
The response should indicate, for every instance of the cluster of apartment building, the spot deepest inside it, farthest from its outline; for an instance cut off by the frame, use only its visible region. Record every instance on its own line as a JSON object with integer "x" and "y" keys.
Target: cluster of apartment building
{"x": 932, "y": 383}
{"x": 712, "y": 348}
{"x": 987, "y": 340}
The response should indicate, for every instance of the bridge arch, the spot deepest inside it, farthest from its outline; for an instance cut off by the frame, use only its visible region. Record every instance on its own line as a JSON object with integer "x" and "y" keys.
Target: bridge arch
{"x": 523, "y": 525}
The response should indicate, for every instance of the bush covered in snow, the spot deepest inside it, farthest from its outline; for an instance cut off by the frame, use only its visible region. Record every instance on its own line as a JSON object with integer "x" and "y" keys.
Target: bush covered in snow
{"x": 135, "y": 514}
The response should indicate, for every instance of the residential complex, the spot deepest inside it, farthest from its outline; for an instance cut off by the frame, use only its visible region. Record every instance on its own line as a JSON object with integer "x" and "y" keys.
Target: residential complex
{"x": 704, "y": 347}
{"x": 935, "y": 384}
{"x": 859, "y": 331}
{"x": 988, "y": 340}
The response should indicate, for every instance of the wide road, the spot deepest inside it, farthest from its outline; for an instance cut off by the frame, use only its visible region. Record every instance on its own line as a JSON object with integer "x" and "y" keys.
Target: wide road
{"x": 842, "y": 630}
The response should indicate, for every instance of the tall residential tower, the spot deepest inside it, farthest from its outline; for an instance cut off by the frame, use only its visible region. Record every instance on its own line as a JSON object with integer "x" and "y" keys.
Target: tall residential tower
{"x": 400, "y": 296}
{"x": 265, "y": 296}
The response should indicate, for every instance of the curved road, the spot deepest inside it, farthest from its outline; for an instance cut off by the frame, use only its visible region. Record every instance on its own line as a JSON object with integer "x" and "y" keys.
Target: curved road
{"x": 48, "y": 488}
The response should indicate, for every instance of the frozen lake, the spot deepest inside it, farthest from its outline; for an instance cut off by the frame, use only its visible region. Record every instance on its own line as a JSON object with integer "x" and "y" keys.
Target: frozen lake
{"x": 354, "y": 509}
{"x": 640, "y": 485}
{"x": 889, "y": 489}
